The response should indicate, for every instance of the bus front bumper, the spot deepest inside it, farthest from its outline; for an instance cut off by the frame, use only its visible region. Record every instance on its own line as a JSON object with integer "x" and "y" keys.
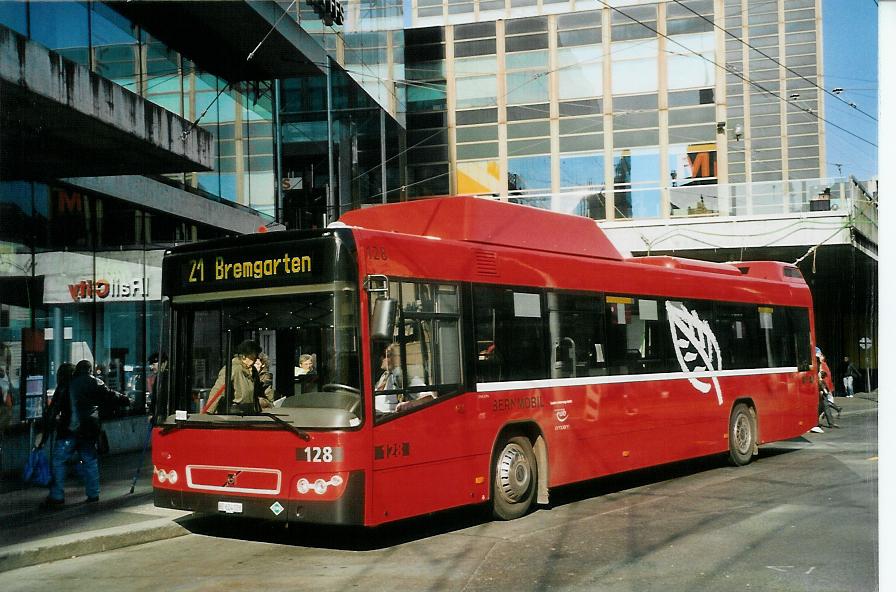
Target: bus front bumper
{"x": 348, "y": 509}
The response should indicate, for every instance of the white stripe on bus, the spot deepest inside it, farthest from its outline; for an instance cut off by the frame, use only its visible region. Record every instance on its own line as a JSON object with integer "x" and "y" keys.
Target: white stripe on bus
{"x": 515, "y": 385}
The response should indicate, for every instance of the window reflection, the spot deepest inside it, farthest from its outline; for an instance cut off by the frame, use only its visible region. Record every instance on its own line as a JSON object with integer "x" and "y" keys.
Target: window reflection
{"x": 636, "y": 182}
{"x": 481, "y": 176}
{"x": 580, "y": 72}
{"x": 687, "y": 69}
{"x": 531, "y": 172}
{"x": 116, "y": 51}
{"x": 693, "y": 164}
{"x": 476, "y": 91}
{"x": 62, "y": 27}
{"x": 531, "y": 86}
{"x": 577, "y": 170}
{"x": 634, "y": 66}
{"x": 14, "y": 15}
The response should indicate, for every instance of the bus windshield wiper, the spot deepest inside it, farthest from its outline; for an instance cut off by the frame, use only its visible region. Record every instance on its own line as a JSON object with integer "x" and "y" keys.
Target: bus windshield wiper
{"x": 300, "y": 433}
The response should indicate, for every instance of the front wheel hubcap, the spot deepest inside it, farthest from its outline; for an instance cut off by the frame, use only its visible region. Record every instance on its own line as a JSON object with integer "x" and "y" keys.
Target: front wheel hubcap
{"x": 743, "y": 429}
{"x": 514, "y": 473}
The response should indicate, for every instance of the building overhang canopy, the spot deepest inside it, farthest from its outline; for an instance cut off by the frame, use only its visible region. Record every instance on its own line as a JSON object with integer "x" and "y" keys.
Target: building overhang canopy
{"x": 58, "y": 119}
{"x": 219, "y": 36}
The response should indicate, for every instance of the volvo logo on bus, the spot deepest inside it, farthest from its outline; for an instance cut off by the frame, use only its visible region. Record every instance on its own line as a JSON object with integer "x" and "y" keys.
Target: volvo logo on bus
{"x": 695, "y": 347}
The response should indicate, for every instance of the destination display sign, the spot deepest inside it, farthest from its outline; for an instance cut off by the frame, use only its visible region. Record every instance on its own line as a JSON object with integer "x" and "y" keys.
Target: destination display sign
{"x": 299, "y": 262}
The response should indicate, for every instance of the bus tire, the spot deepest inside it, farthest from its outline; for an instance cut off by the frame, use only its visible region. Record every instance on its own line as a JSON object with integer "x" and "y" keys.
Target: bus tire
{"x": 515, "y": 479}
{"x": 742, "y": 435}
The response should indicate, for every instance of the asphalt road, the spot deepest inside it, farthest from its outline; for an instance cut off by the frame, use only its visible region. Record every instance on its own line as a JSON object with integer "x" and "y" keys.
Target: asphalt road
{"x": 801, "y": 517}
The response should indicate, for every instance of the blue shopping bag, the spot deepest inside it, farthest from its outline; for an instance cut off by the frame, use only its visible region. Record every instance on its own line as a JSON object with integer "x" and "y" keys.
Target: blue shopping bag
{"x": 37, "y": 468}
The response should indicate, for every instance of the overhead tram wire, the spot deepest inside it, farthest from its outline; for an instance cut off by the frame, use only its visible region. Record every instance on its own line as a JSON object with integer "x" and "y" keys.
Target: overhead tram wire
{"x": 406, "y": 185}
{"x": 249, "y": 57}
{"x": 271, "y": 30}
{"x": 436, "y": 87}
{"x": 195, "y": 122}
{"x": 737, "y": 74}
{"x": 814, "y": 248}
{"x": 765, "y": 55}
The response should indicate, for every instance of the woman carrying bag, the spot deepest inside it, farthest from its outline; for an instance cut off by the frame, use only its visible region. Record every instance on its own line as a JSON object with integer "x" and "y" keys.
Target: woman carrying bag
{"x": 56, "y": 425}
{"x": 74, "y": 417}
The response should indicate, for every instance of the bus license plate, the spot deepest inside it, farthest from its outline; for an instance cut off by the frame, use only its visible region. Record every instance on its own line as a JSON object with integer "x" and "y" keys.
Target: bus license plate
{"x": 230, "y": 507}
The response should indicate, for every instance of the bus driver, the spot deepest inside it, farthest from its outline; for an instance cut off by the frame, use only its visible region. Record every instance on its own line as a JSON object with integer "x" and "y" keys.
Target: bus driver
{"x": 392, "y": 379}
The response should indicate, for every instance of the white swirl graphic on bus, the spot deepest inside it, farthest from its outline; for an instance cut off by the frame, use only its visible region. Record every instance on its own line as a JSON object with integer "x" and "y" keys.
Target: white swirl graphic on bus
{"x": 690, "y": 332}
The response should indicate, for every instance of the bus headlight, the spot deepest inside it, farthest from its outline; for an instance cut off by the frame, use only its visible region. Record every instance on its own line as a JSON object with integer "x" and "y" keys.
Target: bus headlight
{"x": 319, "y": 486}
{"x": 162, "y": 475}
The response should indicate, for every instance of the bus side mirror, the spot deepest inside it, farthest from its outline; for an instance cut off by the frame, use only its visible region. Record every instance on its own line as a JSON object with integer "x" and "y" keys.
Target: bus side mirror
{"x": 382, "y": 324}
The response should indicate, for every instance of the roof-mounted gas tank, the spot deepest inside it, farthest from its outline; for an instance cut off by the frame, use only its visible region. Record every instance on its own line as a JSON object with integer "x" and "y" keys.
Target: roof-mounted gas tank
{"x": 488, "y": 222}
{"x": 771, "y": 270}
{"x": 687, "y": 264}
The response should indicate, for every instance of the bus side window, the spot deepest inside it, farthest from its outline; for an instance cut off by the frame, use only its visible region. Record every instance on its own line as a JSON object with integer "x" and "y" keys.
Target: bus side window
{"x": 802, "y": 341}
{"x": 429, "y": 342}
{"x": 638, "y": 336}
{"x": 576, "y": 335}
{"x": 509, "y": 334}
{"x": 779, "y": 336}
{"x": 736, "y": 327}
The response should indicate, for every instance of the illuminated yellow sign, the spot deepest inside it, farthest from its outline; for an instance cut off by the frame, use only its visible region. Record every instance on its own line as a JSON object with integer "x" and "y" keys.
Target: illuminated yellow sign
{"x": 261, "y": 268}
{"x": 252, "y": 265}
{"x": 248, "y": 268}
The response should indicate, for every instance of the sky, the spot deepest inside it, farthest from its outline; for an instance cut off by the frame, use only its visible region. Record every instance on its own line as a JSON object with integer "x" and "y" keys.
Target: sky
{"x": 850, "y": 63}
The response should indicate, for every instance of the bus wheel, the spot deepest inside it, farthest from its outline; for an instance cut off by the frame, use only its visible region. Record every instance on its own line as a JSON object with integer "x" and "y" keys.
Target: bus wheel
{"x": 741, "y": 435}
{"x": 515, "y": 479}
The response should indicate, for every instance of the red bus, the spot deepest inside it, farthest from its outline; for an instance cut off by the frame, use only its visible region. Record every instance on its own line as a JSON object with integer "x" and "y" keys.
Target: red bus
{"x": 463, "y": 351}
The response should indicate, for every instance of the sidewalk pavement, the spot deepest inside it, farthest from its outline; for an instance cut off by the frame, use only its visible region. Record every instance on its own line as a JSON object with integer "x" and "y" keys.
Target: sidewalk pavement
{"x": 29, "y": 535}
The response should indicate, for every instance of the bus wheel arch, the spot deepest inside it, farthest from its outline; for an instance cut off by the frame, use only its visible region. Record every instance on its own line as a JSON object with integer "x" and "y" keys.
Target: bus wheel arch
{"x": 743, "y": 432}
{"x": 518, "y": 471}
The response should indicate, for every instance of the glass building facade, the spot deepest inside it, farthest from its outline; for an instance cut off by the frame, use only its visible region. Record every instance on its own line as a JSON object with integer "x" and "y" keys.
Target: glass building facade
{"x": 239, "y": 116}
{"x": 80, "y": 270}
{"x": 80, "y": 278}
{"x": 606, "y": 110}
{"x": 342, "y": 130}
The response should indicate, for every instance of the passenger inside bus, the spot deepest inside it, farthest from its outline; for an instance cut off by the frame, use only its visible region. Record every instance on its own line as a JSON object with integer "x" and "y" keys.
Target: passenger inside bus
{"x": 392, "y": 383}
{"x": 250, "y": 382}
{"x": 306, "y": 365}
{"x": 305, "y": 374}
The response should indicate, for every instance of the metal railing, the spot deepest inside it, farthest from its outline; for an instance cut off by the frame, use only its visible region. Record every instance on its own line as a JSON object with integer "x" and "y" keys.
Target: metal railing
{"x": 845, "y": 197}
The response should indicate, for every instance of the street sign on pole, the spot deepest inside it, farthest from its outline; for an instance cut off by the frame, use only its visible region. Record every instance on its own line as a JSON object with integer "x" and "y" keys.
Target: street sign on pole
{"x": 865, "y": 345}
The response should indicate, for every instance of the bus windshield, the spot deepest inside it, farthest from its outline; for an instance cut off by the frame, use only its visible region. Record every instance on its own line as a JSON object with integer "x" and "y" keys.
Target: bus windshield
{"x": 292, "y": 355}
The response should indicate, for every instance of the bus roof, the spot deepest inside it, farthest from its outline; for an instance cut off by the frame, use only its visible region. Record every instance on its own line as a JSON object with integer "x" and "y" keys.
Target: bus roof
{"x": 689, "y": 264}
{"x": 489, "y": 222}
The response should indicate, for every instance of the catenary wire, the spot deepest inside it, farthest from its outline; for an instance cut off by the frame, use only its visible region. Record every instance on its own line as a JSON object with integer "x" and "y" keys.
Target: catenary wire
{"x": 768, "y": 57}
{"x": 734, "y": 72}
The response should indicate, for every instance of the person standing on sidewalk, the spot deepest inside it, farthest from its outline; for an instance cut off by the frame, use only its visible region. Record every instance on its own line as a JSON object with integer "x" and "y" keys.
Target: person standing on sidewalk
{"x": 849, "y": 373}
{"x": 74, "y": 415}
